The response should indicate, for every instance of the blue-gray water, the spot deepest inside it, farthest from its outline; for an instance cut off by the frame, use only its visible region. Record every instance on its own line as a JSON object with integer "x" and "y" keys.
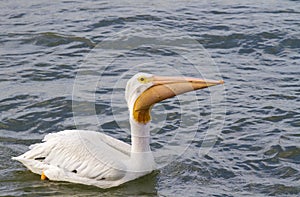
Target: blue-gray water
{"x": 256, "y": 46}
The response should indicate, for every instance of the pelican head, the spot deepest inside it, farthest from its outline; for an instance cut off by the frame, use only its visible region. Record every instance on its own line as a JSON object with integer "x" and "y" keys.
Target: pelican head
{"x": 143, "y": 90}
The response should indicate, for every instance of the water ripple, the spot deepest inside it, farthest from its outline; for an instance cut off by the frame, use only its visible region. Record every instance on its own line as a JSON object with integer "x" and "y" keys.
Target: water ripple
{"x": 255, "y": 47}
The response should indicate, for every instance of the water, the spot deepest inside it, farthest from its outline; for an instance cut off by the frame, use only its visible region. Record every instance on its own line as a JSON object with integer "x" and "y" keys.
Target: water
{"x": 255, "y": 46}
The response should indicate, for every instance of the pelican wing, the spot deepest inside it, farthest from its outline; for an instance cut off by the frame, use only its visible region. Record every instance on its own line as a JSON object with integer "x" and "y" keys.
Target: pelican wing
{"x": 79, "y": 156}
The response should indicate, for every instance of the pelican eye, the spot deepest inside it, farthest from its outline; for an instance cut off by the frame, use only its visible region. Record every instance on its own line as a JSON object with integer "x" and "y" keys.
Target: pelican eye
{"x": 143, "y": 80}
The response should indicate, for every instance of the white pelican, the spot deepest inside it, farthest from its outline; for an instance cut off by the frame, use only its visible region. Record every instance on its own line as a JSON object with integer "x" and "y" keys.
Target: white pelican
{"x": 93, "y": 158}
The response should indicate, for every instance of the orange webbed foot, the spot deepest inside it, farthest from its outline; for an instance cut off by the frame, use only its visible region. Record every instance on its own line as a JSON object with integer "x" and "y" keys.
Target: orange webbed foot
{"x": 43, "y": 176}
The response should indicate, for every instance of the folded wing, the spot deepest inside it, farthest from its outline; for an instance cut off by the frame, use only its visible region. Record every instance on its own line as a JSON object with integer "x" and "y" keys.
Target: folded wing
{"x": 79, "y": 156}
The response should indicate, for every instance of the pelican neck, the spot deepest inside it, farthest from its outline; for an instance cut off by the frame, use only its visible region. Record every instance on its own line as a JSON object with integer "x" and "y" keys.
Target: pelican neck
{"x": 140, "y": 136}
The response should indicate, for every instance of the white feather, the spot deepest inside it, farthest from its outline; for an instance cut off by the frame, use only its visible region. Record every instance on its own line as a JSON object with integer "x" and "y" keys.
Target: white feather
{"x": 93, "y": 158}
{"x": 79, "y": 156}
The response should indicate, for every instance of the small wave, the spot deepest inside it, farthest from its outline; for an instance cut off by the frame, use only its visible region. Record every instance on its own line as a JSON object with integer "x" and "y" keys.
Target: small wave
{"x": 51, "y": 39}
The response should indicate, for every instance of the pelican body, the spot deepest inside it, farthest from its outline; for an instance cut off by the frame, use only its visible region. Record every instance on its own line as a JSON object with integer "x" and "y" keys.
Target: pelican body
{"x": 93, "y": 158}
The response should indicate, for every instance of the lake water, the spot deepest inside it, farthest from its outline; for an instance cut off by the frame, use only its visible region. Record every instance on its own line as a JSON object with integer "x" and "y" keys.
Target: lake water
{"x": 64, "y": 65}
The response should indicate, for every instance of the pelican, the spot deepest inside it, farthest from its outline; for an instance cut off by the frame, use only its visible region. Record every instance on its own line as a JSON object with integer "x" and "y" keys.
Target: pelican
{"x": 92, "y": 158}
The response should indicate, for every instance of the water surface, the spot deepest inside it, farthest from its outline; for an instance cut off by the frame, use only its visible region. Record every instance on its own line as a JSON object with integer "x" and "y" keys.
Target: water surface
{"x": 255, "y": 45}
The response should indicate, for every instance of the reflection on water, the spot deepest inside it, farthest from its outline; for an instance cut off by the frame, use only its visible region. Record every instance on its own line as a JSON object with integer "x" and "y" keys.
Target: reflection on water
{"x": 256, "y": 48}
